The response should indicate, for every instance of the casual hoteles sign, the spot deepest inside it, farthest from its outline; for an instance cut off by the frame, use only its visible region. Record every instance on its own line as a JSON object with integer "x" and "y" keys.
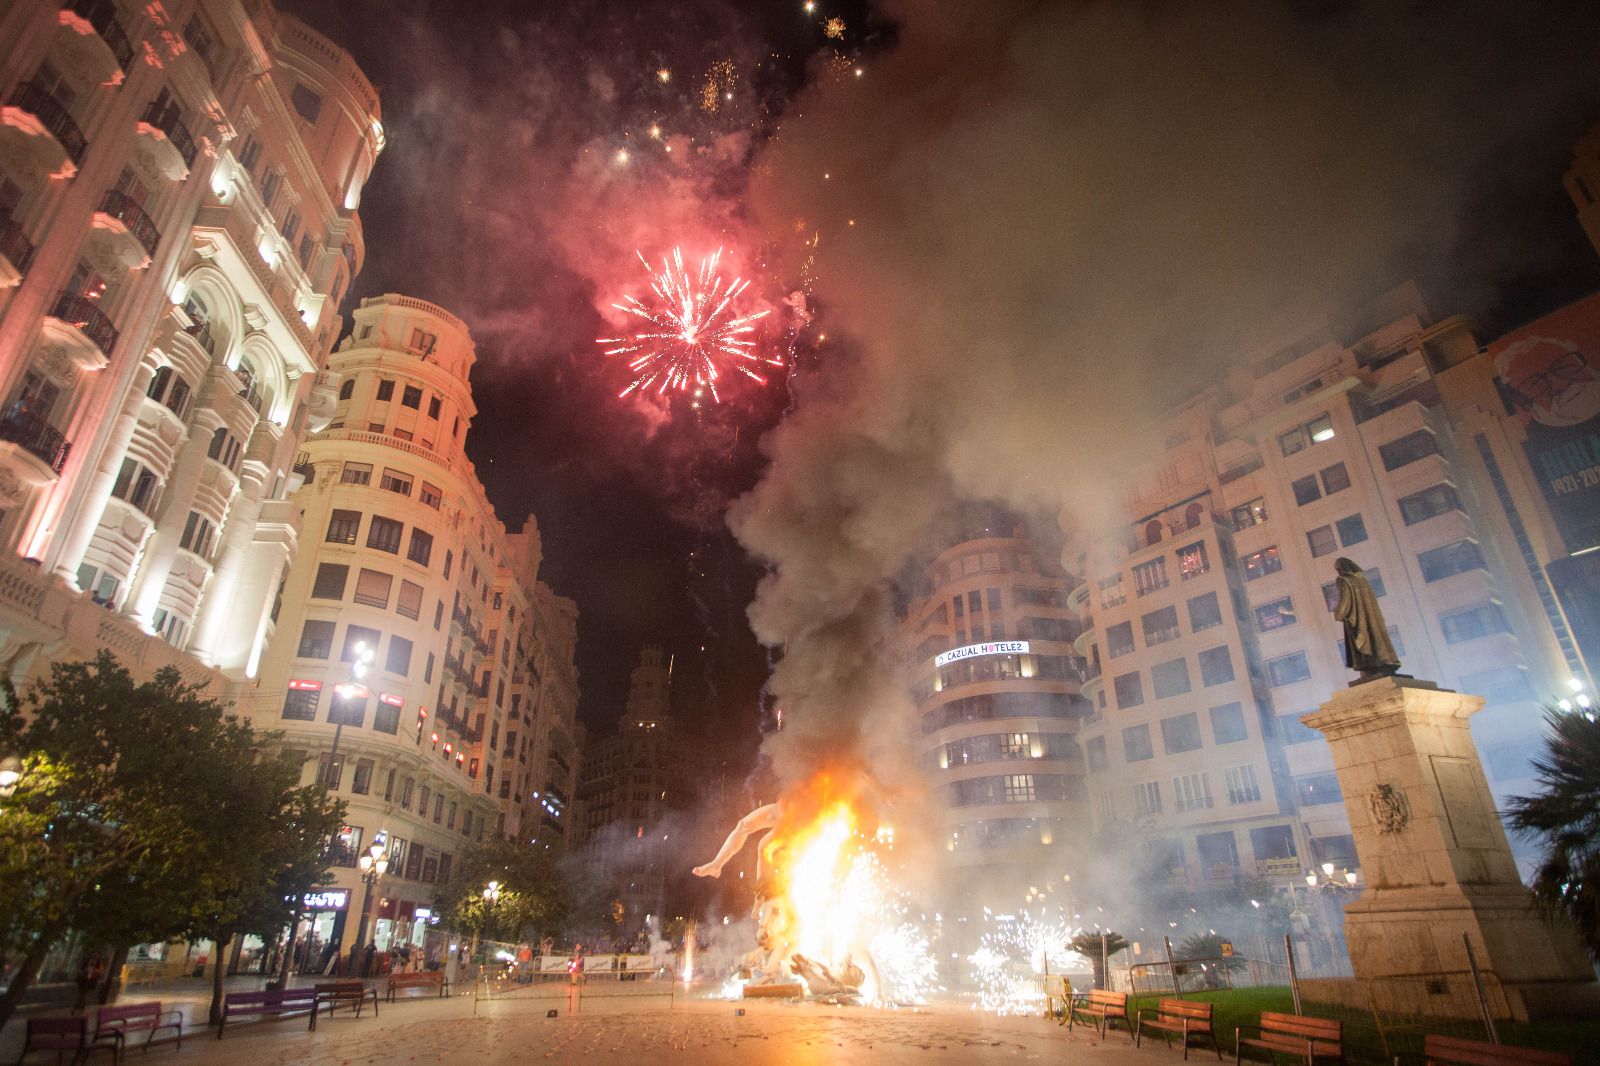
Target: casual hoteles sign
{"x": 972, "y": 651}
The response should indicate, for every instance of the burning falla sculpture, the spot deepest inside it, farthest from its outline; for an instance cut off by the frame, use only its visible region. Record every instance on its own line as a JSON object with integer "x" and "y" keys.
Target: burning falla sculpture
{"x": 776, "y": 960}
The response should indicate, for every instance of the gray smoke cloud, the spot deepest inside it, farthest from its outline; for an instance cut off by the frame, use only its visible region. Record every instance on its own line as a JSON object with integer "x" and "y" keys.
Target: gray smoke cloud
{"x": 1043, "y": 223}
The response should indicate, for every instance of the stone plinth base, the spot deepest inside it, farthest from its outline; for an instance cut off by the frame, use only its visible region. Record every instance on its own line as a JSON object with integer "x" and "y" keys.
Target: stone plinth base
{"x": 1436, "y": 865}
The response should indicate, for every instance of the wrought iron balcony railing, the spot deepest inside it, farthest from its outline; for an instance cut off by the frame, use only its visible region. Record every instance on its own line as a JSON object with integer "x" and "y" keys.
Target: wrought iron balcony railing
{"x": 170, "y": 122}
{"x": 15, "y": 245}
{"x": 102, "y": 15}
{"x": 86, "y": 315}
{"x": 23, "y": 427}
{"x": 53, "y": 115}
{"x": 130, "y": 213}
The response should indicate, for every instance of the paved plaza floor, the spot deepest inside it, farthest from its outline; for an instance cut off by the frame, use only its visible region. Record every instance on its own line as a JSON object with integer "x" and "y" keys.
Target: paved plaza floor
{"x": 651, "y": 1029}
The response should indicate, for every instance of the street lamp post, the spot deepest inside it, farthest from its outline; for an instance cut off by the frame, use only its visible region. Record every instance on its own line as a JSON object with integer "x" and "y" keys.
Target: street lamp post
{"x": 1324, "y": 883}
{"x": 374, "y": 863}
{"x": 359, "y": 666}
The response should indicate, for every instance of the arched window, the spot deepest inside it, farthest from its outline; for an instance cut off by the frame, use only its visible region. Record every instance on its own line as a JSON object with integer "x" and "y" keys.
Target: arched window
{"x": 1152, "y": 531}
{"x": 347, "y": 389}
{"x": 251, "y": 391}
{"x": 199, "y": 323}
{"x": 1192, "y": 513}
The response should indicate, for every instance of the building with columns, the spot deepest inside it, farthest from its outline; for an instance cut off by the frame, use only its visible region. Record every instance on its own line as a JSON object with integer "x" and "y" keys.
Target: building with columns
{"x": 423, "y": 670}
{"x": 178, "y": 227}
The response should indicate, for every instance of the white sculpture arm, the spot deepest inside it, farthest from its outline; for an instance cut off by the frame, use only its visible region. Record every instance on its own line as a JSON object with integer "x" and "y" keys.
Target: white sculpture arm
{"x": 762, "y": 818}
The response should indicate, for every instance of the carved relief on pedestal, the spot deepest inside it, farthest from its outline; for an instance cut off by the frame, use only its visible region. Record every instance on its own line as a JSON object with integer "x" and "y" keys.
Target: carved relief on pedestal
{"x": 1391, "y": 811}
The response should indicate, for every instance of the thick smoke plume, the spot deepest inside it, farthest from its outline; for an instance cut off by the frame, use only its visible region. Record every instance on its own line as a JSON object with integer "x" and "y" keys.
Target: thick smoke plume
{"x": 1041, "y": 223}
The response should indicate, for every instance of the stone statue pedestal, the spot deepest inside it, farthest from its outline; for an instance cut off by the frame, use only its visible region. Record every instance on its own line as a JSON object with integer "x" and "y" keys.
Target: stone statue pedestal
{"x": 1435, "y": 860}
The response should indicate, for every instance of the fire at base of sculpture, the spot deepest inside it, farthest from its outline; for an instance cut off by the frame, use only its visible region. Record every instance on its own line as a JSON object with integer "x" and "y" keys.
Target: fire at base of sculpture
{"x": 843, "y": 986}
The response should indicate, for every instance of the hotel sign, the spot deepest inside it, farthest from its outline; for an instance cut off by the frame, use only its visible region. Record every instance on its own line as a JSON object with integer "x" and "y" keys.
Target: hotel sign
{"x": 973, "y": 651}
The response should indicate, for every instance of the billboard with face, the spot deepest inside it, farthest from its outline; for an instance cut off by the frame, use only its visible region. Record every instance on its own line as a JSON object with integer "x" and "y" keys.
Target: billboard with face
{"x": 1549, "y": 373}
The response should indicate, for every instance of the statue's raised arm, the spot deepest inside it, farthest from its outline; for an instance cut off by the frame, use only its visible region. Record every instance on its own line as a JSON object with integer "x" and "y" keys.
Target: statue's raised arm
{"x": 761, "y": 820}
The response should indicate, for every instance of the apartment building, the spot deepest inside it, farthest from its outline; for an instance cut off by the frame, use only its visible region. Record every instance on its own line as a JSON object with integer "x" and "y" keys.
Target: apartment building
{"x": 178, "y": 194}
{"x": 1387, "y": 438}
{"x": 423, "y": 670}
{"x": 985, "y": 644}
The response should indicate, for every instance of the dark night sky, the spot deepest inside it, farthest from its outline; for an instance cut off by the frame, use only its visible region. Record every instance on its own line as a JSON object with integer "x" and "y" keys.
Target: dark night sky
{"x": 496, "y": 113}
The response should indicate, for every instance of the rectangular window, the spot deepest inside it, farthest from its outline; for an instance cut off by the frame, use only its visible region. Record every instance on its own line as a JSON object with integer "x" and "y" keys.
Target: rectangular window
{"x": 1136, "y": 746}
{"x": 316, "y": 640}
{"x": 1227, "y": 724}
{"x": 1204, "y": 612}
{"x": 422, "y": 341}
{"x": 1352, "y": 530}
{"x": 1111, "y": 591}
{"x": 1287, "y": 669}
{"x": 1150, "y": 577}
{"x": 1317, "y": 789}
{"x": 1320, "y": 429}
{"x": 1275, "y": 615}
{"x": 1119, "y": 639}
{"x": 1502, "y": 684}
{"x": 421, "y": 549}
{"x": 1241, "y": 784}
{"x": 409, "y": 603}
{"x": 1192, "y": 561}
{"x": 974, "y": 601}
{"x": 1160, "y": 626}
{"x": 432, "y": 495}
{"x": 433, "y": 408}
{"x": 427, "y": 673}
{"x": 196, "y": 534}
{"x": 1095, "y": 751}
{"x": 449, "y": 559}
{"x": 960, "y": 607}
{"x": 1129, "y": 689}
{"x": 1216, "y": 666}
{"x": 1305, "y": 490}
{"x": 1170, "y": 678}
{"x": 411, "y": 396}
{"x": 1147, "y": 799}
{"x": 1261, "y": 563}
{"x": 1191, "y": 792}
{"x": 361, "y": 782}
{"x": 1019, "y": 788}
{"x": 1408, "y": 449}
{"x": 1249, "y": 514}
{"x": 395, "y": 481}
{"x": 1180, "y": 733}
{"x": 329, "y": 584}
{"x": 307, "y": 103}
{"x": 386, "y": 389}
{"x": 343, "y": 527}
{"x": 372, "y": 588}
{"x": 438, "y": 613}
{"x": 1293, "y": 441}
{"x": 349, "y": 708}
{"x": 1321, "y": 541}
{"x": 1479, "y": 620}
{"x": 358, "y": 635}
{"x": 1335, "y": 478}
{"x": 301, "y": 706}
{"x": 993, "y": 596}
{"x": 1451, "y": 559}
{"x": 386, "y": 719}
{"x": 384, "y": 534}
{"x": 1421, "y": 506}
{"x": 399, "y": 660}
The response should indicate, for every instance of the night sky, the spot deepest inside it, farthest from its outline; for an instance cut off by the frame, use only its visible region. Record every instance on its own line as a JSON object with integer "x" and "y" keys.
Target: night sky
{"x": 502, "y": 196}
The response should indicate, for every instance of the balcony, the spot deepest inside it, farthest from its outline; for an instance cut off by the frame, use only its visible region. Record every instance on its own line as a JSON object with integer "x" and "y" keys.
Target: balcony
{"x": 36, "y": 436}
{"x": 124, "y": 232}
{"x": 166, "y": 147}
{"x": 16, "y": 252}
{"x": 94, "y": 40}
{"x": 52, "y": 138}
{"x": 77, "y": 325}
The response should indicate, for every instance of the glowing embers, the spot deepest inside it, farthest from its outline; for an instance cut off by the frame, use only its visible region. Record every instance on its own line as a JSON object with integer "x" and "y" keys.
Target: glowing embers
{"x": 694, "y": 331}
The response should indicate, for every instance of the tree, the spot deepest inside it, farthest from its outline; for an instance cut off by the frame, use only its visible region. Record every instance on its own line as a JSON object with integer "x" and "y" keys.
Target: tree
{"x": 1565, "y": 817}
{"x": 532, "y": 897}
{"x": 143, "y": 811}
{"x": 1098, "y": 950}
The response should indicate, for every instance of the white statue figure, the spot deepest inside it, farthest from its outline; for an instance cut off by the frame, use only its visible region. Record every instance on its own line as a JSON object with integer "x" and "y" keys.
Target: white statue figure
{"x": 768, "y": 963}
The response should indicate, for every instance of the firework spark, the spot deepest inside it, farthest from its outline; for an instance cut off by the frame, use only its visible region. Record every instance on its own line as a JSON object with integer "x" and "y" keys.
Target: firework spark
{"x": 1012, "y": 958}
{"x": 694, "y": 332}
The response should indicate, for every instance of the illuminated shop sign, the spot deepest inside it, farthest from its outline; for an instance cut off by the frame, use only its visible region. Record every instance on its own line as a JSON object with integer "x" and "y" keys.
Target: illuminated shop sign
{"x": 973, "y": 651}
{"x": 393, "y": 701}
{"x": 298, "y": 685}
{"x": 326, "y": 899}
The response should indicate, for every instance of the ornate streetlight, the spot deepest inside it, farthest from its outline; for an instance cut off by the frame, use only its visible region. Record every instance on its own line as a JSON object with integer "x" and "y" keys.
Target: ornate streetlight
{"x": 374, "y": 863}
{"x": 360, "y": 664}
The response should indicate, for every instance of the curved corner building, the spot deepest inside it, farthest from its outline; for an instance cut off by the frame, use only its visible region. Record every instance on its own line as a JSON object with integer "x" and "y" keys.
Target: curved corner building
{"x": 988, "y": 647}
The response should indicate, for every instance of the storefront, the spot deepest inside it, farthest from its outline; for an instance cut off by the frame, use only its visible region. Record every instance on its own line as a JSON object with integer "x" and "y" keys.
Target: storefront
{"x": 320, "y": 933}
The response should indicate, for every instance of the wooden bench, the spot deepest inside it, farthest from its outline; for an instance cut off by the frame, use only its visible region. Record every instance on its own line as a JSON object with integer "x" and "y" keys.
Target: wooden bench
{"x": 353, "y": 993}
{"x": 1454, "y": 1051}
{"x": 277, "y": 1004}
{"x": 68, "y": 1034}
{"x": 420, "y": 979}
{"x": 1182, "y": 1016}
{"x": 1101, "y": 1008}
{"x": 128, "y": 1018}
{"x": 1312, "y": 1039}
